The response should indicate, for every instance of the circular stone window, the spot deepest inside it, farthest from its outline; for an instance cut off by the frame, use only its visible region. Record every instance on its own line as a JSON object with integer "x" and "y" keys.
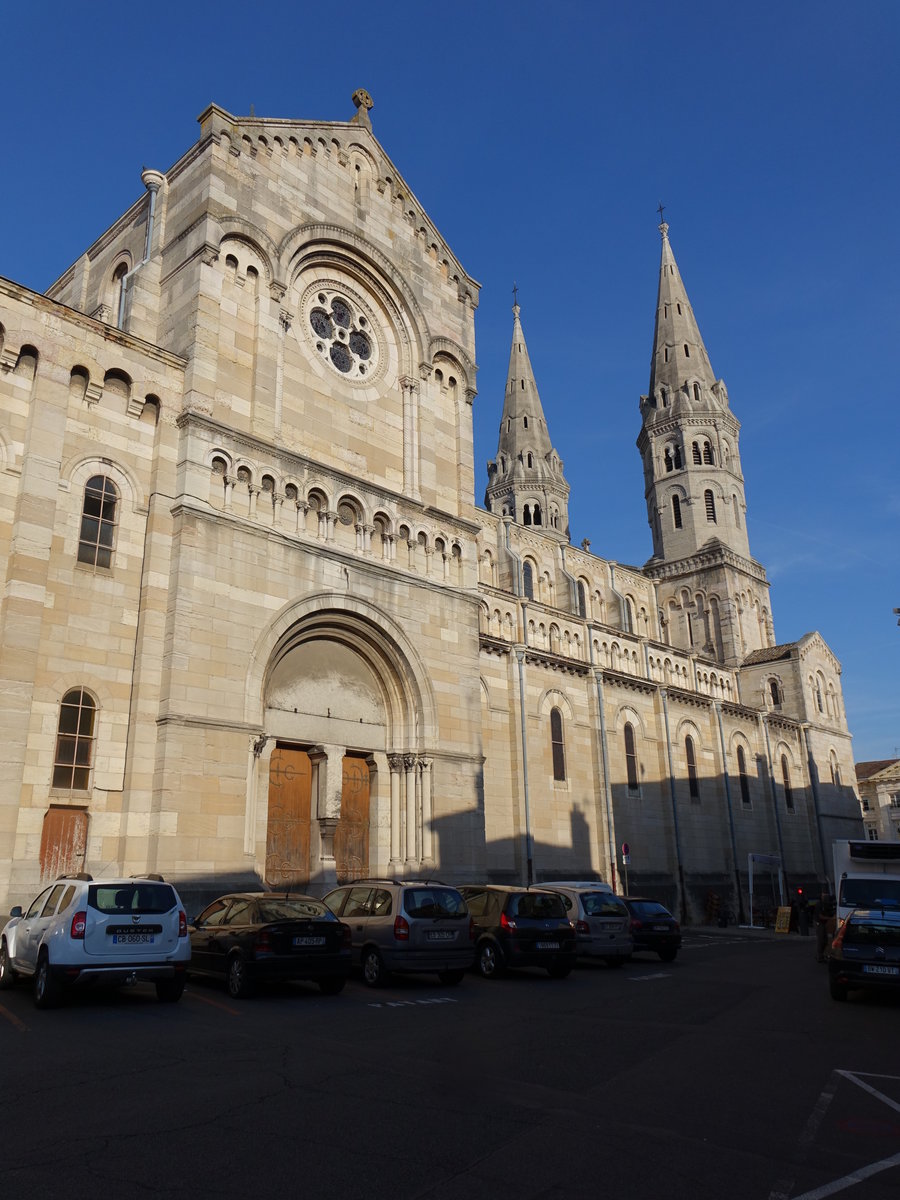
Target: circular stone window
{"x": 342, "y": 330}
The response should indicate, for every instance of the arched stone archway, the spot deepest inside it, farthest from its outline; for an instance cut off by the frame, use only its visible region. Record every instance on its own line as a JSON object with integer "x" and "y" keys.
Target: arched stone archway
{"x": 347, "y": 785}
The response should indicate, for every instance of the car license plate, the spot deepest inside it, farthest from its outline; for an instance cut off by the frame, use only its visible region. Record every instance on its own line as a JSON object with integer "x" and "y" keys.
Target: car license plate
{"x": 873, "y": 970}
{"x": 660, "y": 929}
{"x": 132, "y": 939}
{"x": 309, "y": 941}
{"x": 441, "y": 935}
{"x": 548, "y": 945}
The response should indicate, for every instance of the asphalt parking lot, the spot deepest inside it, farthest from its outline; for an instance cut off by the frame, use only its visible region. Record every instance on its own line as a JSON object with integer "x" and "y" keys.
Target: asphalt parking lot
{"x": 729, "y": 1073}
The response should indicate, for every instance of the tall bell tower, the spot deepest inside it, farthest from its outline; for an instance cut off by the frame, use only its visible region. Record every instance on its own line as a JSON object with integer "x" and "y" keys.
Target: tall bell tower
{"x": 525, "y": 480}
{"x": 714, "y": 596}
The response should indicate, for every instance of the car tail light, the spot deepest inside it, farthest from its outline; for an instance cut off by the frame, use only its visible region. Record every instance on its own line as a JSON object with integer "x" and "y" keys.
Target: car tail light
{"x": 471, "y": 929}
{"x": 636, "y": 924}
{"x": 345, "y": 935}
{"x": 506, "y": 923}
{"x": 182, "y": 925}
{"x": 262, "y": 943}
{"x": 401, "y": 929}
{"x": 79, "y": 923}
{"x": 582, "y": 927}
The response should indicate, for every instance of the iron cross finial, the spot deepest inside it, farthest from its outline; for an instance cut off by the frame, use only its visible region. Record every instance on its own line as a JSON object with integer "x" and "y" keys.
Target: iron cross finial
{"x": 661, "y": 210}
{"x": 515, "y": 293}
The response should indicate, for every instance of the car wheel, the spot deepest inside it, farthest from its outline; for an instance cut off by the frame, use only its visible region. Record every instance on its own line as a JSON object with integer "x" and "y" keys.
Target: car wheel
{"x": 374, "y": 973}
{"x": 667, "y": 955}
{"x": 169, "y": 991}
{"x": 7, "y": 974}
{"x": 237, "y": 979}
{"x": 490, "y": 962}
{"x": 838, "y": 990}
{"x": 332, "y": 985}
{"x": 451, "y": 978}
{"x": 47, "y": 990}
{"x": 559, "y": 971}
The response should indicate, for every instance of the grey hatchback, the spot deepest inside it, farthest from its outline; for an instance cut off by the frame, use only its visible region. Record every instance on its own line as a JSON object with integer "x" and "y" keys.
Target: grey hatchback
{"x": 405, "y": 925}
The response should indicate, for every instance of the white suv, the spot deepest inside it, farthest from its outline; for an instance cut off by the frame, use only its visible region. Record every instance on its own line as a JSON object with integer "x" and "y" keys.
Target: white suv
{"x": 114, "y": 931}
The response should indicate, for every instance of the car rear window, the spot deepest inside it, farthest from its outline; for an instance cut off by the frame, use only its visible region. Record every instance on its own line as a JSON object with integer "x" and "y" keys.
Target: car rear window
{"x": 292, "y": 910}
{"x": 872, "y": 932}
{"x": 434, "y": 902}
{"x": 538, "y": 906}
{"x": 132, "y": 897}
{"x": 602, "y": 904}
{"x": 649, "y": 908}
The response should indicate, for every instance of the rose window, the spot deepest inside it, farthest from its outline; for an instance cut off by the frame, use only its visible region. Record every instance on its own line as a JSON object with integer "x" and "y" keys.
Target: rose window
{"x": 342, "y": 333}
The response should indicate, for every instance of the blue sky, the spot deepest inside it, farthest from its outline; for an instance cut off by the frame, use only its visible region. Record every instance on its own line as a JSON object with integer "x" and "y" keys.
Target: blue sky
{"x": 540, "y": 139}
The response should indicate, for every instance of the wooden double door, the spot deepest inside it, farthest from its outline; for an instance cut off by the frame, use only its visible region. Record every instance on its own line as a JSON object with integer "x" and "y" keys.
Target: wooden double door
{"x": 290, "y": 816}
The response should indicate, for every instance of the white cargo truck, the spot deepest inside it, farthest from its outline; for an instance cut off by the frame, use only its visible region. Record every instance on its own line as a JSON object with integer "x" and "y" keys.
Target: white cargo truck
{"x": 866, "y": 875}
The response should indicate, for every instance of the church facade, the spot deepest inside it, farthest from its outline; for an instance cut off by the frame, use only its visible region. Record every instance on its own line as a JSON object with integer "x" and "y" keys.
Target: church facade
{"x": 255, "y": 629}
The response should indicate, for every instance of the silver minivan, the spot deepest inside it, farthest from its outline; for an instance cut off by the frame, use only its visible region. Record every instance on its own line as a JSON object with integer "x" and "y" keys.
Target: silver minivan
{"x": 405, "y": 925}
{"x": 602, "y": 922}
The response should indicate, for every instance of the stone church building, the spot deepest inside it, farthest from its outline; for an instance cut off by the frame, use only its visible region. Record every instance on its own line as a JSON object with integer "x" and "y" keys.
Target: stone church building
{"x": 255, "y": 628}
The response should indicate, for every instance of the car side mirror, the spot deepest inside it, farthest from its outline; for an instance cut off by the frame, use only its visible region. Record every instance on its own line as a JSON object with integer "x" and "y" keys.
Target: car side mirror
{"x": 16, "y": 912}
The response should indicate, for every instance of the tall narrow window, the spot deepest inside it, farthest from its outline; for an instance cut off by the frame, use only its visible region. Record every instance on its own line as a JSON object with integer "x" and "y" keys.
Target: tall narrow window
{"x": 687, "y": 351}
{"x": 707, "y": 453}
{"x": 631, "y": 767}
{"x": 697, "y": 392}
{"x": 582, "y": 600}
{"x": 695, "y": 452}
{"x": 710, "y": 501}
{"x": 667, "y": 459}
{"x": 629, "y": 616}
{"x": 98, "y": 522}
{"x": 742, "y": 775}
{"x": 557, "y": 745}
{"x": 819, "y": 704}
{"x": 693, "y": 786}
{"x": 677, "y": 458}
{"x": 786, "y": 778}
{"x": 737, "y": 512}
{"x": 775, "y": 692}
{"x": 676, "y": 511}
{"x": 74, "y": 742}
{"x": 528, "y": 581}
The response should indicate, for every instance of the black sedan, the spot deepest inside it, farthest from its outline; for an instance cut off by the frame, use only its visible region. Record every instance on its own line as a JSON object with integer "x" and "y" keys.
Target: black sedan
{"x": 653, "y": 927}
{"x": 250, "y": 937}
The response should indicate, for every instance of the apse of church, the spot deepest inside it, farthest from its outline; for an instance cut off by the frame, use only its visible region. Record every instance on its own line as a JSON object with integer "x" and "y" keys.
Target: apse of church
{"x": 256, "y": 631}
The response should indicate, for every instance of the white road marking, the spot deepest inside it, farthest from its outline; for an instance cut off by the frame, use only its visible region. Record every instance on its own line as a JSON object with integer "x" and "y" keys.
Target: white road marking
{"x": 838, "y": 1185}
{"x": 644, "y": 978}
{"x": 782, "y": 1190}
{"x": 411, "y": 1003}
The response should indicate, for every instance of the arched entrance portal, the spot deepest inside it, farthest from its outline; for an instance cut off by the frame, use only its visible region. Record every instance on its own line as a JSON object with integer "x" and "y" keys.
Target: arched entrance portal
{"x": 291, "y": 813}
{"x": 349, "y": 787}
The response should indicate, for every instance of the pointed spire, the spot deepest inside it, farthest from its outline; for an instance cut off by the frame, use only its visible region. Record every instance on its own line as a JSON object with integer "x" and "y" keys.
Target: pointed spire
{"x": 526, "y": 480}
{"x": 523, "y": 417}
{"x": 678, "y": 350}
